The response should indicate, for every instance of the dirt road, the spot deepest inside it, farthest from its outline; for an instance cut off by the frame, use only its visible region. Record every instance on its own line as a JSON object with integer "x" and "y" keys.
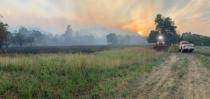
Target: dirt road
{"x": 182, "y": 76}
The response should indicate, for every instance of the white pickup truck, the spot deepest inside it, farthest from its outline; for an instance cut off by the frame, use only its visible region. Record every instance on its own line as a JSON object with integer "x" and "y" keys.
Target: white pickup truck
{"x": 185, "y": 46}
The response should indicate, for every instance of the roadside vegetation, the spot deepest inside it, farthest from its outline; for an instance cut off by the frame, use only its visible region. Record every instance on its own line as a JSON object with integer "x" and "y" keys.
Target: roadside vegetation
{"x": 205, "y": 60}
{"x": 203, "y": 50}
{"x": 203, "y": 53}
{"x": 199, "y": 40}
{"x": 101, "y": 74}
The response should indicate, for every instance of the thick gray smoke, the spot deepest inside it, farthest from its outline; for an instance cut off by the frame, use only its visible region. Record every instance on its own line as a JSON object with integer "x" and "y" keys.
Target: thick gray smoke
{"x": 24, "y": 37}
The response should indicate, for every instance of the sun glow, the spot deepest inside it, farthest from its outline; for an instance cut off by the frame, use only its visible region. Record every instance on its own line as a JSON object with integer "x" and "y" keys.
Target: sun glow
{"x": 140, "y": 33}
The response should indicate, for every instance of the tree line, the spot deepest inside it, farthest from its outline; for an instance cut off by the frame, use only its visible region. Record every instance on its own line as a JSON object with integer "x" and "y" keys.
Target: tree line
{"x": 20, "y": 37}
{"x": 166, "y": 27}
{"x": 196, "y": 39}
{"x": 4, "y": 33}
{"x": 24, "y": 37}
{"x": 114, "y": 39}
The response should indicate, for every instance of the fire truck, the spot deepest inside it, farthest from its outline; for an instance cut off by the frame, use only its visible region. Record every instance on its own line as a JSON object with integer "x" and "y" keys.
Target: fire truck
{"x": 160, "y": 42}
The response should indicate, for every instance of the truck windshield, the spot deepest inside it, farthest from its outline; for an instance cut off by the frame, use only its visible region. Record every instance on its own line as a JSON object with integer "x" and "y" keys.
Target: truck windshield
{"x": 185, "y": 43}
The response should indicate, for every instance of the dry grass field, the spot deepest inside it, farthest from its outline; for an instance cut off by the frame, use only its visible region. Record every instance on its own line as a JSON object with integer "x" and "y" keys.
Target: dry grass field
{"x": 125, "y": 73}
{"x": 64, "y": 75}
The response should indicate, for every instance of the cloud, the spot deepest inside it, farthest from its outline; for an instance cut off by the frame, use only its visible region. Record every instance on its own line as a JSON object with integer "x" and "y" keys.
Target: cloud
{"x": 129, "y": 15}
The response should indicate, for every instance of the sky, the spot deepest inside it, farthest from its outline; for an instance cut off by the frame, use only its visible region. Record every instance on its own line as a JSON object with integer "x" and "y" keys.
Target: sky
{"x": 127, "y": 15}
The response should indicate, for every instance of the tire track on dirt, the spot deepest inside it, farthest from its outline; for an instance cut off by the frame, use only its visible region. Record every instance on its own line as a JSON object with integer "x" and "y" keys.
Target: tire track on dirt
{"x": 182, "y": 76}
{"x": 155, "y": 85}
{"x": 197, "y": 82}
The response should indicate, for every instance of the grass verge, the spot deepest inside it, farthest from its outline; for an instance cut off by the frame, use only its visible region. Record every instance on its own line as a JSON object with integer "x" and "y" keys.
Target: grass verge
{"x": 97, "y": 75}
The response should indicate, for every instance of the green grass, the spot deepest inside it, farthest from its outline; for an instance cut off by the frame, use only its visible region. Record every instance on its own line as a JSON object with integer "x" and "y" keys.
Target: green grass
{"x": 202, "y": 50}
{"x": 205, "y": 60}
{"x": 203, "y": 53}
{"x": 180, "y": 68}
{"x": 97, "y": 75}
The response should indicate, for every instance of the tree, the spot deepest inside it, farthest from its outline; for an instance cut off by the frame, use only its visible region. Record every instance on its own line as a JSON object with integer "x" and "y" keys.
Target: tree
{"x": 3, "y": 33}
{"x": 30, "y": 40}
{"x": 112, "y": 38}
{"x": 159, "y": 22}
{"x": 8, "y": 41}
{"x": 169, "y": 31}
{"x": 196, "y": 39}
{"x": 165, "y": 27}
{"x": 19, "y": 39}
{"x": 37, "y": 35}
{"x": 68, "y": 33}
{"x": 23, "y": 30}
{"x": 25, "y": 36}
{"x": 152, "y": 36}
{"x": 68, "y": 30}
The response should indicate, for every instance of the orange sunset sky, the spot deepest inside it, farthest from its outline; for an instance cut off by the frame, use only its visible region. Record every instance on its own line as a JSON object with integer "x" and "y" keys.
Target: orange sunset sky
{"x": 128, "y": 15}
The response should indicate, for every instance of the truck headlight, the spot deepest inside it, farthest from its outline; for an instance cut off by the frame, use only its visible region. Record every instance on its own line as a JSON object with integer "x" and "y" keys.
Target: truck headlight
{"x": 160, "y": 37}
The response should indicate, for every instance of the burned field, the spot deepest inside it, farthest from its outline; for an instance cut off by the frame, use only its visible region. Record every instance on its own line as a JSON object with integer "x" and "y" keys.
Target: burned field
{"x": 60, "y": 49}
{"x": 54, "y": 49}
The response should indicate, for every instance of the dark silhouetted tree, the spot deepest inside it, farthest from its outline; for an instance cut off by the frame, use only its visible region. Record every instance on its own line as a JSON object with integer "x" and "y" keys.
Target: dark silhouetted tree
{"x": 152, "y": 36}
{"x": 68, "y": 33}
{"x": 8, "y": 41}
{"x": 112, "y": 38}
{"x": 25, "y": 36}
{"x": 19, "y": 39}
{"x": 4, "y": 33}
{"x": 37, "y": 35}
{"x": 165, "y": 27}
{"x": 68, "y": 30}
{"x": 169, "y": 31}
{"x": 159, "y": 22}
